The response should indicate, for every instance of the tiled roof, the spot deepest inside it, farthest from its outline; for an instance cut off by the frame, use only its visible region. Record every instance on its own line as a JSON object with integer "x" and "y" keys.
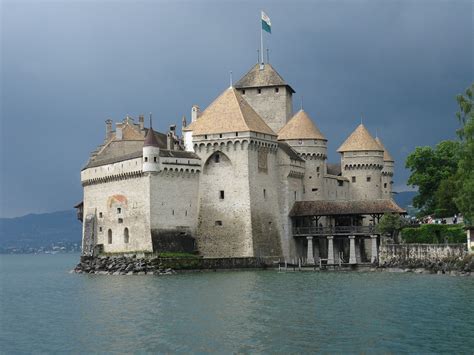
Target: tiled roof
{"x": 360, "y": 140}
{"x": 300, "y": 126}
{"x": 230, "y": 113}
{"x": 261, "y": 77}
{"x": 386, "y": 154}
{"x": 150, "y": 139}
{"x": 289, "y": 151}
{"x": 330, "y": 208}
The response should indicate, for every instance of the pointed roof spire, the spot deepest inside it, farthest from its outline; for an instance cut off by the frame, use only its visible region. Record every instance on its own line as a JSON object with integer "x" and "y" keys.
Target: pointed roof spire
{"x": 300, "y": 126}
{"x": 230, "y": 113}
{"x": 386, "y": 154}
{"x": 150, "y": 139}
{"x": 359, "y": 140}
{"x": 261, "y": 76}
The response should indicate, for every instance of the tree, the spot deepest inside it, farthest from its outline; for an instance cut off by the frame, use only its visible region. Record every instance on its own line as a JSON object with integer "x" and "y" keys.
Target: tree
{"x": 465, "y": 175}
{"x": 390, "y": 224}
{"x": 431, "y": 168}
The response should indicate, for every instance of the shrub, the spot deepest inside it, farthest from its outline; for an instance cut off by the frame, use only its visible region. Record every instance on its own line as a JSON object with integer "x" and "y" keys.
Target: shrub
{"x": 434, "y": 234}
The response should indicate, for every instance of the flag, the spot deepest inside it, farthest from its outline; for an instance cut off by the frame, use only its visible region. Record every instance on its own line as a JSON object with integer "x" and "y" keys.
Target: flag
{"x": 266, "y": 24}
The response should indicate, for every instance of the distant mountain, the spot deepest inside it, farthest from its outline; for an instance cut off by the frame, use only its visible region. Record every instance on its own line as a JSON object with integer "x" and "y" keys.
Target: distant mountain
{"x": 404, "y": 199}
{"x": 40, "y": 230}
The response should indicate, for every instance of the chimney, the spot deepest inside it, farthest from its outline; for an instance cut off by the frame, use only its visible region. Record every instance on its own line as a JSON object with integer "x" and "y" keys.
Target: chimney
{"x": 169, "y": 141}
{"x": 141, "y": 122}
{"x": 108, "y": 128}
{"x": 118, "y": 131}
{"x": 195, "y": 112}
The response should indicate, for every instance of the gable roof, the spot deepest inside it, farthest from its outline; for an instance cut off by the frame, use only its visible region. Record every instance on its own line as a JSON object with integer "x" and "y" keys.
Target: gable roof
{"x": 360, "y": 140}
{"x": 300, "y": 126}
{"x": 230, "y": 112}
{"x": 386, "y": 154}
{"x": 259, "y": 76}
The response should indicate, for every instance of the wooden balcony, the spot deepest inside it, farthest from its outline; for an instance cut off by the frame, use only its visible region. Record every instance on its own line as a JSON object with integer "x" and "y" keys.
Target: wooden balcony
{"x": 333, "y": 231}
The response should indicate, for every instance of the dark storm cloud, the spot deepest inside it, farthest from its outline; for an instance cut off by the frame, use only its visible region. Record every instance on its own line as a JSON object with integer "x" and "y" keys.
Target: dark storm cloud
{"x": 67, "y": 66}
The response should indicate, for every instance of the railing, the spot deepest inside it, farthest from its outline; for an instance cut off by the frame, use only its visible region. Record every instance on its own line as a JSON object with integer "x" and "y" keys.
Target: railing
{"x": 339, "y": 230}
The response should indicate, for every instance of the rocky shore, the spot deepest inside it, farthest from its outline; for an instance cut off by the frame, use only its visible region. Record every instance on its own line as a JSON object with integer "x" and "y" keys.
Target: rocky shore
{"x": 452, "y": 266}
{"x": 122, "y": 266}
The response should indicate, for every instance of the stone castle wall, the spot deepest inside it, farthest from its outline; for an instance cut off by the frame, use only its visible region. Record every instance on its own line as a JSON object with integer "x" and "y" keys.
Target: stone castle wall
{"x": 419, "y": 255}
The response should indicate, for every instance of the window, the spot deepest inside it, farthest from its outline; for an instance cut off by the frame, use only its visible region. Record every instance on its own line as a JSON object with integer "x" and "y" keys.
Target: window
{"x": 317, "y": 169}
{"x": 300, "y": 141}
{"x": 221, "y": 194}
{"x": 217, "y": 158}
{"x": 220, "y": 135}
{"x": 100, "y": 214}
{"x": 243, "y": 92}
{"x": 264, "y": 193}
{"x": 185, "y": 213}
{"x": 119, "y": 210}
{"x": 154, "y": 159}
{"x": 314, "y": 189}
{"x": 146, "y": 159}
{"x": 368, "y": 178}
{"x": 340, "y": 183}
{"x": 259, "y": 91}
{"x": 353, "y": 179}
{"x": 295, "y": 195}
{"x": 120, "y": 220}
{"x": 126, "y": 237}
{"x": 277, "y": 90}
{"x": 100, "y": 229}
{"x": 385, "y": 185}
{"x": 172, "y": 212}
{"x": 218, "y": 223}
{"x": 236, "y": 134}
{"x": 109, "y": 237}
{"x": 205, "y": 136}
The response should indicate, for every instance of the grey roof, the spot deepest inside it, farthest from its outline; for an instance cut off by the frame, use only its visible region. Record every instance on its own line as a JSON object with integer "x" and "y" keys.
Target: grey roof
{"x": 150, "y": 139}
{"x": 164, "y": 153}
{"x": 289, "y": 151}
{"x": 330, "y": 208}
{"x": 257, "y": 77}
{"x": 333, "y": 169}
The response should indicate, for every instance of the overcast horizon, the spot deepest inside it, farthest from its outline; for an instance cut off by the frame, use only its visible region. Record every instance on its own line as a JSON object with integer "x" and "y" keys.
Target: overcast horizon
{"x": 67, "y": 66}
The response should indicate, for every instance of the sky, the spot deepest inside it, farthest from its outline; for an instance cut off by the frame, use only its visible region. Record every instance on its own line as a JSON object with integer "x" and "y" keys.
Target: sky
{"x": 67, "y": 66}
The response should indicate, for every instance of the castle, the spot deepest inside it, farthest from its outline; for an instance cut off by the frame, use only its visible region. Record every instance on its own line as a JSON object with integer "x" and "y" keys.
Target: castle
{"x": 248, "y": 178}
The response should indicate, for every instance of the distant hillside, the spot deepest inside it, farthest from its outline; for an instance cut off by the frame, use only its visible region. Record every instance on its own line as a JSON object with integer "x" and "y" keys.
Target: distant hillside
{"x": 404, "y": 199}
{"x": 40, "y": 230}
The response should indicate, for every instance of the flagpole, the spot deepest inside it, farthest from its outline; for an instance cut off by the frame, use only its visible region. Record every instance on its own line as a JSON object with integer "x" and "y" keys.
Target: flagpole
{"x": 261, "y": 42}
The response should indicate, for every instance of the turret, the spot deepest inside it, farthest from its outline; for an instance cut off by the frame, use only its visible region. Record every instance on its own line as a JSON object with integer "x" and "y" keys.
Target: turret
{"x": 151, "y": 152}
{"x": 268, "y": 94}
{"x": 387, "y": 171}
{"x": 305, "y": 137}
{"x": 362, "y": 163}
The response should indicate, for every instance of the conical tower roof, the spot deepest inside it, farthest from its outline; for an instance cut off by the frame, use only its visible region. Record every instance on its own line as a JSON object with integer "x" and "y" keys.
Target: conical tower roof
{"x": 300, "y": 126}
{"x": 360, "y": 140}
{"x": 261, "y": 76}
{"x": 150, "y": 139}
{"x": 386, "y": 154}
{"x": 230, "y": 113}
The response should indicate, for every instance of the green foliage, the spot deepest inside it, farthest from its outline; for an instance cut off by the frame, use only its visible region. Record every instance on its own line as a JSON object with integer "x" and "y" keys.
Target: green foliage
{"x": 434, "y": 234}
{"x": 430, "y": 169}
{"x": 465, "y": 176}
{"x": 390, "y": 224}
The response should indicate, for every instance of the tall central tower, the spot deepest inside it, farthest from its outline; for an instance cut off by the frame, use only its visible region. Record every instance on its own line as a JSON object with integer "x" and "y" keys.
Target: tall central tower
{"x": 268, "y": 94}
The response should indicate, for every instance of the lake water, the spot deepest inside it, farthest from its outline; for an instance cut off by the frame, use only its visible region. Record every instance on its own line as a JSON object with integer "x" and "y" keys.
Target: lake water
{"x": 46, "y": 309}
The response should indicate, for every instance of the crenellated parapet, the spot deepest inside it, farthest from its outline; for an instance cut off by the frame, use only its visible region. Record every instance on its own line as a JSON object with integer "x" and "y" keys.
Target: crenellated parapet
{"x": 114, "y": 177}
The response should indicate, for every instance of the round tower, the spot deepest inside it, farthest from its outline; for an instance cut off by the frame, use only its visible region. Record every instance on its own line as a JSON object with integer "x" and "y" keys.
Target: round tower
{"x": 387, "y": 171}
{"x": 307, "y": 140}
{"x": 362, "y": 164}
{"x": 151, "y": 153}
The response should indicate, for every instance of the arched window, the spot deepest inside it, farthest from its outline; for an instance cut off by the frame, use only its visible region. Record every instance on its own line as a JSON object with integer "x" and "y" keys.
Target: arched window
{"x": 110, "y": 236}
{"x": 126, "y": 236}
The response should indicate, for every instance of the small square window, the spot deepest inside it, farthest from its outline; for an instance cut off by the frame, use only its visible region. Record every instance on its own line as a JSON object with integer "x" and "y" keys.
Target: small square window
{"x": 217, "y": 158}
{"x": 317, "y": 169}
{"x": 243, "y": 92}
{"x": 340, "y": 182}
{"x": 154, "y": 159}
{"x": 300, "y": 141}
{"x": 218, "y": 223}
{"x": 314, "y": 189}
{"x": 221, "y": 194}
{"x": 353, "y": 179}
{"x": 385, "y": 185}
{"x": 259, "y": 91}
{"x": 236, "y": 134}
{"x": 146, "y": 159}
{"x": 100, "y": 214}
{"x": 119, "y": 210}
{"x": 100, "y": 229}
{"x": 220, "y": 135}
{"x": 205, "y": 136}
{"x": 120, "y": 220}
{"x": 277, "y": 90}
{"x": 368, "y": 178}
